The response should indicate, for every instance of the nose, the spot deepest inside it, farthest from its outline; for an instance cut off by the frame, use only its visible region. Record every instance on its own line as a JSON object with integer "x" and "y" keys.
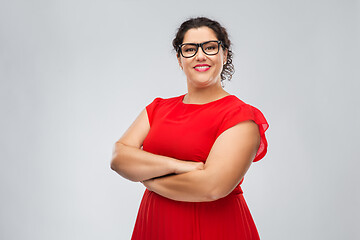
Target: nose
{"x": 200, "y": 55}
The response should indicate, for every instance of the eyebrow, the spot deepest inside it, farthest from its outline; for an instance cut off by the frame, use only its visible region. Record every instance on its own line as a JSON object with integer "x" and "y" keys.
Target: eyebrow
{"x": 198, "y": 43}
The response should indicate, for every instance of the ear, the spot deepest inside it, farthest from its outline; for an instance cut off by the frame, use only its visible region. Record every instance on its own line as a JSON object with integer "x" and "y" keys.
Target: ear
{"x": 225, "y": 56}
{"x": 179, "y": 61}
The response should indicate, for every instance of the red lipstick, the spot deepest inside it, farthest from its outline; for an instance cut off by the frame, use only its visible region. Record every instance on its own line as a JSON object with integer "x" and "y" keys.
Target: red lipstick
{"x": 202, "y": 67}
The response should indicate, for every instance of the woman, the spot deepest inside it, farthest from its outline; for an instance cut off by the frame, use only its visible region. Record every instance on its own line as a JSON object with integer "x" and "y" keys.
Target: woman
{"x": 192, "y": 151}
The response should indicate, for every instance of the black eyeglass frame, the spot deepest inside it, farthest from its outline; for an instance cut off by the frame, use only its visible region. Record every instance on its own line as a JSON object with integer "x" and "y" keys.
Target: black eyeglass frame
{"x": 200, "y": 45}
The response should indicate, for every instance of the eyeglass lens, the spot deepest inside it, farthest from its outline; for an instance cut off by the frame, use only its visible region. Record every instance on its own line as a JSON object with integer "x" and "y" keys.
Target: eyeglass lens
{"x": 209, "y": 48}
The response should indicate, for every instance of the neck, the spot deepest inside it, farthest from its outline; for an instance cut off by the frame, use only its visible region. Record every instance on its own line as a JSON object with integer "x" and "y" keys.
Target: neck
{"x": 204, "y": 95}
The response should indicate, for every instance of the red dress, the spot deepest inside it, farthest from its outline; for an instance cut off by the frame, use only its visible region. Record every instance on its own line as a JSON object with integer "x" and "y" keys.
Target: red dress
{"x": 187, "y": 132}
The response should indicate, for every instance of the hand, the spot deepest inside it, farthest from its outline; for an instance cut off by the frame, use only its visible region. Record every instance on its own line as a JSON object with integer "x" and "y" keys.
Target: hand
{"x": 188, "y": 166}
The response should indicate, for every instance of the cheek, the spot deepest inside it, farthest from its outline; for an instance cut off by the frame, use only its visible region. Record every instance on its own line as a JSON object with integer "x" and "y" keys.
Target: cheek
{"x": 219, "y": 62}
{"x": 185, "y": 63}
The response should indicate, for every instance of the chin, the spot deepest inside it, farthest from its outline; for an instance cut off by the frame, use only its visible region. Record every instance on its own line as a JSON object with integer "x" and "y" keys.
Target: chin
{"x": 203, "y": 83}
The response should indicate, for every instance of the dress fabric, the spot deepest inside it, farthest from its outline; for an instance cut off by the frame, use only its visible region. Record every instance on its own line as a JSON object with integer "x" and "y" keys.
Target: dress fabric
{"x": 187, "y": 132}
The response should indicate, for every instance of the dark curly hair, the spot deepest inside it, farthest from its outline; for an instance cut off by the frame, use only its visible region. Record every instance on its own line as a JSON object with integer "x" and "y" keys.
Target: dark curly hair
{"x": 221, "y": 34}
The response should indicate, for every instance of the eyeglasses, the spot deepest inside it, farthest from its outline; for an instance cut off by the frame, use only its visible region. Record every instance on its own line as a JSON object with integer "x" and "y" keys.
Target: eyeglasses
{"x": 188, "y": 50}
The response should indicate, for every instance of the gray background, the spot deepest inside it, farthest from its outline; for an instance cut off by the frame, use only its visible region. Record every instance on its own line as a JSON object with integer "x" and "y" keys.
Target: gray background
{"x": 75, "y": 74}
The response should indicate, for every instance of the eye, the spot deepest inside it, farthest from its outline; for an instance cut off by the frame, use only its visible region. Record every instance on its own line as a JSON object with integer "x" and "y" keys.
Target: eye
{"x": 210, "y": 48}
{"x": 189, "y": 48}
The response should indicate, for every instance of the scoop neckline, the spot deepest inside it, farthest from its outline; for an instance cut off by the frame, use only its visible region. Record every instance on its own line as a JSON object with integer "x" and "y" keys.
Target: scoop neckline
{"x": 203, "y": 104}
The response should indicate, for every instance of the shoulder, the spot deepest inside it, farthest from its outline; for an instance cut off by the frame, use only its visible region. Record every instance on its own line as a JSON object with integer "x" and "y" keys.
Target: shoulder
{"x": 235, "y": 110}
{"x": 160, "y": 106}
{"x": 161, "y": 100}
{"x": 235, "y": 104}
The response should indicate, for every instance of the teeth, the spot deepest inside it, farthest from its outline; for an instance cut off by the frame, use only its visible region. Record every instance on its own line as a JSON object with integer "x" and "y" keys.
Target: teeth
{"x": 202, "y": 67}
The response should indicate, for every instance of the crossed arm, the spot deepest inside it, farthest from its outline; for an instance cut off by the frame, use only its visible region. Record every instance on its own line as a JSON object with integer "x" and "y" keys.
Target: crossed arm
{"x": 229, "y": 159}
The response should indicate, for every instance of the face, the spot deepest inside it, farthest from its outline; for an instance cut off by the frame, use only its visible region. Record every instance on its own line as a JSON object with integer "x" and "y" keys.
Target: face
{"x": 202, "y": 70}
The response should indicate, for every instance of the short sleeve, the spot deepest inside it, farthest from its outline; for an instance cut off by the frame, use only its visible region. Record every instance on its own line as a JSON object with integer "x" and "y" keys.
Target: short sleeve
{"x": 151, "y": 109}
{"x": 244, "y": 113}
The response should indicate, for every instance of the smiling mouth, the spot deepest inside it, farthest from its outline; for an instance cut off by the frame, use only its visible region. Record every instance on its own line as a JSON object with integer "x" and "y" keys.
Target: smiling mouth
{"x": 202, "y": 68}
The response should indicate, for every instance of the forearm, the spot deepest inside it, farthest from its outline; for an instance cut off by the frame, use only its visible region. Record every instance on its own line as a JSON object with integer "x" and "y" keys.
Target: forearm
{"x": 227, "y": 163}
{"x": 195, "y": 186}
{"x": 138, "y": 165}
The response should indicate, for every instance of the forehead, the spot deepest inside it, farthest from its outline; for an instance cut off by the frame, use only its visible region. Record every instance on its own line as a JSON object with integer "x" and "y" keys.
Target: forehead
{"x": 199, "y": 35}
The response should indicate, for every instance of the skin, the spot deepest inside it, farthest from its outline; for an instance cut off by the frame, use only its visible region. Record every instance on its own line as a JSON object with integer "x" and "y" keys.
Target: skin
{"x": 131, "y": 162}
{"x": 206, "y": 86}
{"x": 232, "y": 152}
